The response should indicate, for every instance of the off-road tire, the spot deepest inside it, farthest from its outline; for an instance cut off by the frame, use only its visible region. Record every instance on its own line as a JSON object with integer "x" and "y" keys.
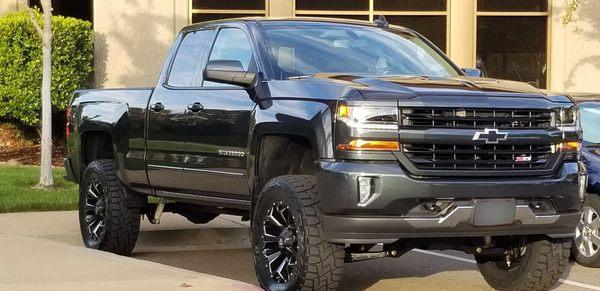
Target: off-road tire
{"x": 319, "y": 263}
{"x": 592, "y": 201}
{"x": 540, "y": 268}
{"x": 122, "y": 224}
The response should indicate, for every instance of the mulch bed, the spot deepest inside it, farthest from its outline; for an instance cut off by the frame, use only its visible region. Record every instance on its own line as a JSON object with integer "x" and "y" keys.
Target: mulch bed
{"x": 30, "y": 155}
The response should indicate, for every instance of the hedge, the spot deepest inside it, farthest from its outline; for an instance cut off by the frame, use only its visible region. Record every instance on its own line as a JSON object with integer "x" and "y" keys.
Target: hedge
{"x": 21, "y": 64}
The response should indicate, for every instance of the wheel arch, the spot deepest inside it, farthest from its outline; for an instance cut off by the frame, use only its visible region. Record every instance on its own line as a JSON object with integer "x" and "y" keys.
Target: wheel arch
{"x": 293, "y": 131}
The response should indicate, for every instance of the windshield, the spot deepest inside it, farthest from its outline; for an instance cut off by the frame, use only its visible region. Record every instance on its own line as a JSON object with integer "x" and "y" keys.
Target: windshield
{"x": 589, "y": 113}
{"x": 304, "y": 49}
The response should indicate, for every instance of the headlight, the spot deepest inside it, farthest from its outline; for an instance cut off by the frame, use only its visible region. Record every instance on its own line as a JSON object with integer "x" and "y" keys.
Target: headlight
{"x": 367, "y": 128}
{"x": 367, "y": 117}
{"x": 567, "y": 119}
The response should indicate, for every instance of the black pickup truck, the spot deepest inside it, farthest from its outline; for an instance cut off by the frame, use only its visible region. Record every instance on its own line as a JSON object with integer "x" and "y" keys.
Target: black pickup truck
{"x": 340, "y": 141}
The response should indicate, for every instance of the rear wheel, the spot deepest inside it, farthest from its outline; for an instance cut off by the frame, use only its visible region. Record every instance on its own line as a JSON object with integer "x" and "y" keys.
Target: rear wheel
{"x": 105, "y": 220}
{"x": 289, "y": 248}
{"x": 586, "y": 247}
{"x": 527, "y": 265}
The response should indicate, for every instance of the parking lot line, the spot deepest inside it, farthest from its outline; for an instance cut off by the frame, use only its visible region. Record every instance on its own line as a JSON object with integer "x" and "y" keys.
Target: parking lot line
{"x": 456, "y": 258}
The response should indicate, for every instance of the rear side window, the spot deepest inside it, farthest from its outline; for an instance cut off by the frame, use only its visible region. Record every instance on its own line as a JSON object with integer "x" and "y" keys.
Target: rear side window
{"x": 232, "y": 44}
{"x": 188, "y": 64}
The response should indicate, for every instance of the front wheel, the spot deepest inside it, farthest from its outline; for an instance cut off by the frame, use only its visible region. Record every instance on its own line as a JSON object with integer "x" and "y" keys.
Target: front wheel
{"x": 527, "y": 265}
{"x": 106, "y": 222}
{"x": 289, "y": 248}
{"x": 586, "y": 247}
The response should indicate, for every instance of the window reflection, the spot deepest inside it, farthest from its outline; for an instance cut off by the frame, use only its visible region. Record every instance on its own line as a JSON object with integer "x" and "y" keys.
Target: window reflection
{"x": 590, "y": 121}
{"x": 187, "y": 66}
{"x": 431, "y": 27}
{"x": 513, "y": 47}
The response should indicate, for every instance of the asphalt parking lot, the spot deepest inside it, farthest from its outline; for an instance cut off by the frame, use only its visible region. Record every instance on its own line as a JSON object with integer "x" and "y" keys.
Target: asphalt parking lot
{"x": 416, "y": 270}
{"x": 221, "y": 248}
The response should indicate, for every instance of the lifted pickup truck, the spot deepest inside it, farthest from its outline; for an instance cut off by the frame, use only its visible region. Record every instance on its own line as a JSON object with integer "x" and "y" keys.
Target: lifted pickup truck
{"x": 340, "y": 141}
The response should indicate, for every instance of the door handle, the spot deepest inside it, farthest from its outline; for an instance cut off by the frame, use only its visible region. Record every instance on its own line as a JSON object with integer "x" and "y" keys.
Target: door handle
{"x": 196, "y": 107}
{"x": 156, "y": 107}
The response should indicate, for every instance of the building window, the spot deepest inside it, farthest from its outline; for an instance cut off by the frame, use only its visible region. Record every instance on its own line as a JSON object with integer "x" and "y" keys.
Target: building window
{"x": 341, "y": 16}
{"x": 410, "y": 5}
{"x": 340, "y": 5}
{"x": 206, "y": 10}
{"x": 428, "y": 17}
{"x": 512, "y": 40}
{"x": 80, "y": 9}
{"x": 513, "y": 5}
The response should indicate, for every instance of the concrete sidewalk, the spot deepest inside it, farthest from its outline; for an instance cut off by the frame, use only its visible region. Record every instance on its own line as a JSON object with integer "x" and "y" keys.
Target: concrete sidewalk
{"x": 43, "y": 251}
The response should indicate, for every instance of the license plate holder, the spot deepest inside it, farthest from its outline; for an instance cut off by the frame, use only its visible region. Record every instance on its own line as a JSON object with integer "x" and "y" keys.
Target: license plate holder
{"x": 492, "y": 212}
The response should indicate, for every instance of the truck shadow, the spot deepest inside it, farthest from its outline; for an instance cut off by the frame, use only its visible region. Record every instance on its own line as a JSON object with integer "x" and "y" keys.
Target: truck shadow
{"x": 229, "y": 256}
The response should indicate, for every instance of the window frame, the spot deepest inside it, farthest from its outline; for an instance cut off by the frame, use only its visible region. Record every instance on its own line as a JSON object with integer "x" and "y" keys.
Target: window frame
{"x": 547, "y": 14}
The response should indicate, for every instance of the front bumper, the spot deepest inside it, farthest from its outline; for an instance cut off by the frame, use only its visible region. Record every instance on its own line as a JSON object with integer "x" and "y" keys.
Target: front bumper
{"x": 391, "y": 216}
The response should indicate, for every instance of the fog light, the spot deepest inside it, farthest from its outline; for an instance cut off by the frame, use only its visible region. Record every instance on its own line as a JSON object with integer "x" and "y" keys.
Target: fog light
{"x": 366, "y": 190}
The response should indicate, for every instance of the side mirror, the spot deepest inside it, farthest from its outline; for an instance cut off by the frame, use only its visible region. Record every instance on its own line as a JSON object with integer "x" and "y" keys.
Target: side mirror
{"x": 472, "y": 72}
{"x": 229, "y": 72}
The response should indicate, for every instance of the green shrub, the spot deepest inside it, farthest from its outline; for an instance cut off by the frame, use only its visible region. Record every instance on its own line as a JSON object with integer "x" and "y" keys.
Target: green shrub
{"x": 21, "y": 64}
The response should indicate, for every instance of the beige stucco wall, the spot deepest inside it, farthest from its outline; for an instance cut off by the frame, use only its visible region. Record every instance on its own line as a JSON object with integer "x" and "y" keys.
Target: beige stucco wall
{"x": 280, "y": 8}
{"x": 575, "y": 49}
{"x": 7, "y": 6}
{"x": 132, "y": 38}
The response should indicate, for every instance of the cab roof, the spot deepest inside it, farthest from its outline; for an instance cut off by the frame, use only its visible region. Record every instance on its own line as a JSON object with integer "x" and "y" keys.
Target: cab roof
{"x": 295, "y": 20}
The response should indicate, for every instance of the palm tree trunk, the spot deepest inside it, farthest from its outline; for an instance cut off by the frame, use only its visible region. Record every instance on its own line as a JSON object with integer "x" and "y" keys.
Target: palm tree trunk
{"x": 46, "y": 179}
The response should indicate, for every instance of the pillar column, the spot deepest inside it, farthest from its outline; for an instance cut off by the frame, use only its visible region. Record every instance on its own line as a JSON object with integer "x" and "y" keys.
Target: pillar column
{"x": 462, "y": 33}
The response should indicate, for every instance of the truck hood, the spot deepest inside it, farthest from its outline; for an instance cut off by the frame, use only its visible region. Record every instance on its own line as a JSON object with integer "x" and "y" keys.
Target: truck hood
{"x": 334, "y": 86}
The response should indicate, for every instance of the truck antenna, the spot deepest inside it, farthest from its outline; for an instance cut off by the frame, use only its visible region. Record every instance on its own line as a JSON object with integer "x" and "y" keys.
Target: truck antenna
{"x": 381, "y": 22}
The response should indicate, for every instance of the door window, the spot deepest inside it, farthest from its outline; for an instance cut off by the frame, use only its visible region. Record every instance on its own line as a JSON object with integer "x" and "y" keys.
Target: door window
{"x": 232, "y": 44}
{"x": 188, "y": 64}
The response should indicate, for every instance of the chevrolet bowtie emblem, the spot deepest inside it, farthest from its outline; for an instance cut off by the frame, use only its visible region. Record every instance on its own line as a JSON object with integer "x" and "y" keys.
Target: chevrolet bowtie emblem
{"x": 490, "y": 135}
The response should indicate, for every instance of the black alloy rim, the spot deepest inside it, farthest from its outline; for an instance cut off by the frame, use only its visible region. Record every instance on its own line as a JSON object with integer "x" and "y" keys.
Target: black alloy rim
{"x": 280, "y": 242}
{"x": 95, "y": 210}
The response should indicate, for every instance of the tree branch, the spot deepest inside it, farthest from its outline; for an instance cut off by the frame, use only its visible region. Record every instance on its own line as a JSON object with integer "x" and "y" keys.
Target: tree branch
{"x": 36, "y": 25}
{"x": 572, "y": 8}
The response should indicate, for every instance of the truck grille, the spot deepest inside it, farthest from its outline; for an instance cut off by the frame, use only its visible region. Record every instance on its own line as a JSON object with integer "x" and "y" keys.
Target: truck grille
{"x": 478, "y": 157}
{"x": 424, "y": 117}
